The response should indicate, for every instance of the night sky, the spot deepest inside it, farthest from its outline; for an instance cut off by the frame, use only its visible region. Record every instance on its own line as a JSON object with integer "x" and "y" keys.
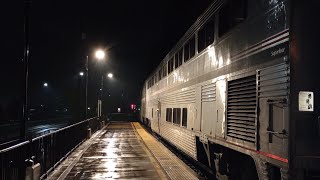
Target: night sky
{"x": 136, "y": 34}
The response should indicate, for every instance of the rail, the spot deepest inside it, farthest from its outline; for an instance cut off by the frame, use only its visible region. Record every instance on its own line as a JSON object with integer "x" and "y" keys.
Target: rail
{"x": 49, "y": 150}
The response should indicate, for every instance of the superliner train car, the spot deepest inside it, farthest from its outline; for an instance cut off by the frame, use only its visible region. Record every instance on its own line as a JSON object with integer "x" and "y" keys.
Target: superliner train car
{"x": 240, "y": 91}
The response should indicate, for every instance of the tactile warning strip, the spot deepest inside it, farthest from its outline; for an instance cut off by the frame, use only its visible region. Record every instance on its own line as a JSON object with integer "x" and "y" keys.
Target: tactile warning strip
{"x": 172, "y": 165}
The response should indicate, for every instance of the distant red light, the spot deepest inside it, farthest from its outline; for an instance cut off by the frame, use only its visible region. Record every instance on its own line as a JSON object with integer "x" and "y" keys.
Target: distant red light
{"x": 133, "y": 107}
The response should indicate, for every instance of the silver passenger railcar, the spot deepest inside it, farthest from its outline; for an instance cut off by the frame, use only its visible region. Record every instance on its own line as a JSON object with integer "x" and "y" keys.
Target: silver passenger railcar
{"x": 239, "y": 92}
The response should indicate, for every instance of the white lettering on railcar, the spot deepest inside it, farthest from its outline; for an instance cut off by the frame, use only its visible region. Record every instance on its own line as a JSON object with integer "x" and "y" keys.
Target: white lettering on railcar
{"x": 279, "y": 51}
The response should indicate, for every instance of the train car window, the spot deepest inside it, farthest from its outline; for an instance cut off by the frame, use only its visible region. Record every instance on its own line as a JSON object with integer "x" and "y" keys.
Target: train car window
{"x": 155, "y": 78}
{"x": 176, "y": 116}
{"x": 178, "y": 59}
{"x": 233, "y": 13}
{"x": 206, "y": 35}
{"x": 189, "y": 49}
{"x": 170, "y": 65}
{"x": 164, "y": 70}
{"x": 169, "y": 115}
{"x": 160, "y": 74}
{"x": 184, "y": 117}
{"x": 152, "y": 80}
{"x": 152, "y": 113}
{"x": 180, "y": 55}
{"x": 192, "y": 47}
{"x": 186, "y": 52}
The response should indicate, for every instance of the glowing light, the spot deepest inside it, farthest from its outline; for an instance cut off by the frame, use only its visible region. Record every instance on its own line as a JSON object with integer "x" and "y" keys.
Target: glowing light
{"x": 81, "y": 73}
{"x": 100, "y": 54}
{"x": 45, "y": 84}
{"x": 110, "y": 75}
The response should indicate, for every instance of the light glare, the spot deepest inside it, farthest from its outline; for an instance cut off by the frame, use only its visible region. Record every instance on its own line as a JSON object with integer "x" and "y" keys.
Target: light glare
{"x": 100, "y": 54}
{"x": 110, "y": 75}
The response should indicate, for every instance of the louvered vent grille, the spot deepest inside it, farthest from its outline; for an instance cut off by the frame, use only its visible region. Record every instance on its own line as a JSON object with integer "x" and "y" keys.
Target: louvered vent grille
{"x": 241, "y": 109}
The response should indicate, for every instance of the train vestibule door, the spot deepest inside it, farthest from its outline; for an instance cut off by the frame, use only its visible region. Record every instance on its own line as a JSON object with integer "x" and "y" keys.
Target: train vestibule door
{"x": 221, "y": 86}
{"x": 159, "y": 115}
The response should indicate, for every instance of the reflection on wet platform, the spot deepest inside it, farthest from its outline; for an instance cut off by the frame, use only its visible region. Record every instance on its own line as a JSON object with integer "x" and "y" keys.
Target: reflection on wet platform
{"x": 117, "y": 154}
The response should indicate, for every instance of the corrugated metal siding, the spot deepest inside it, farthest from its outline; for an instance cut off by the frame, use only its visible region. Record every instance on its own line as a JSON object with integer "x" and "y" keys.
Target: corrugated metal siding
{"x": 180, "y": 137}
{"x": 241, "y": 109}
{"x": 273, "y": 81}
{"x": 181, "y": 97}
{"x": 208, "y": 92}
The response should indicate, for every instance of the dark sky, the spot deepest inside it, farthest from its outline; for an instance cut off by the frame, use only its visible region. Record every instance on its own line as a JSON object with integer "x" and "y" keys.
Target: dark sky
{"x": 137, "y": 34}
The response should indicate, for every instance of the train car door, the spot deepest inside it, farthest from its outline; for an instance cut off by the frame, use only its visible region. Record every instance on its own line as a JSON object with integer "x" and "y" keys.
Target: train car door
{"x": 159, "y": 115}
{"x": 273, "y": 112}
{"x": 220, "y": 107}
{"x": 197, "y": 120}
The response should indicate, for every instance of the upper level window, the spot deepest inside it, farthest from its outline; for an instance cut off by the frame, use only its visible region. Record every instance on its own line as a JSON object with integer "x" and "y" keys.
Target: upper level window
{"x": 206, "y": 35}
{"x": 160, "y": 74}
{"x": 178, "y": 59}
{"x": 189, "y": 49}
{"x": 164, "y": 70}
{"x": 155, "y": 79}
{"x": 232, "y": 13}
{"x": 170, "y": 65}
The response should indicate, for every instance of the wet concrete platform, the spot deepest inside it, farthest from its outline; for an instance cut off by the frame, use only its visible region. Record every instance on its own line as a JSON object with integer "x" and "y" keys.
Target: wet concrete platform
{"x": 122, "y": 150}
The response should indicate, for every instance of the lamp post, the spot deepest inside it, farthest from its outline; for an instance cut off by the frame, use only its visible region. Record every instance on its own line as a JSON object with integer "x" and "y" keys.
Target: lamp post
{"x": 100, "y": 55}
{"x": 87, "y": 75}
{"x": 26, "y": 57}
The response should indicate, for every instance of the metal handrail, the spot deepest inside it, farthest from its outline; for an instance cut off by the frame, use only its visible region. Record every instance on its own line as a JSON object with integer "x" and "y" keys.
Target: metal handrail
{"x": 67, "y": 127}
{"x": 14, "y": 146}
{"x": 48, "y": 149}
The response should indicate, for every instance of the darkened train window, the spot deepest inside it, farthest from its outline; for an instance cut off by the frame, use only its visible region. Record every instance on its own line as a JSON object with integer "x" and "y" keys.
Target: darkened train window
{"x": 152, "y": 113}
{"x": 176, "y": 115}
{"x": 206, "y": 35}
{"x": 170, "y": 65}
{"x": 233, "y": 13}
{"x": 160, "y": 74}
{"x": 164, "y": 70}
{"x": 178, "y": 59}
{"x": 189, "y": 49}
{"x": 184, "y": 117}
{"x": 155, "y": 78}
{"x": 192, "y": 47}
{"x": 169, "y": 115}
